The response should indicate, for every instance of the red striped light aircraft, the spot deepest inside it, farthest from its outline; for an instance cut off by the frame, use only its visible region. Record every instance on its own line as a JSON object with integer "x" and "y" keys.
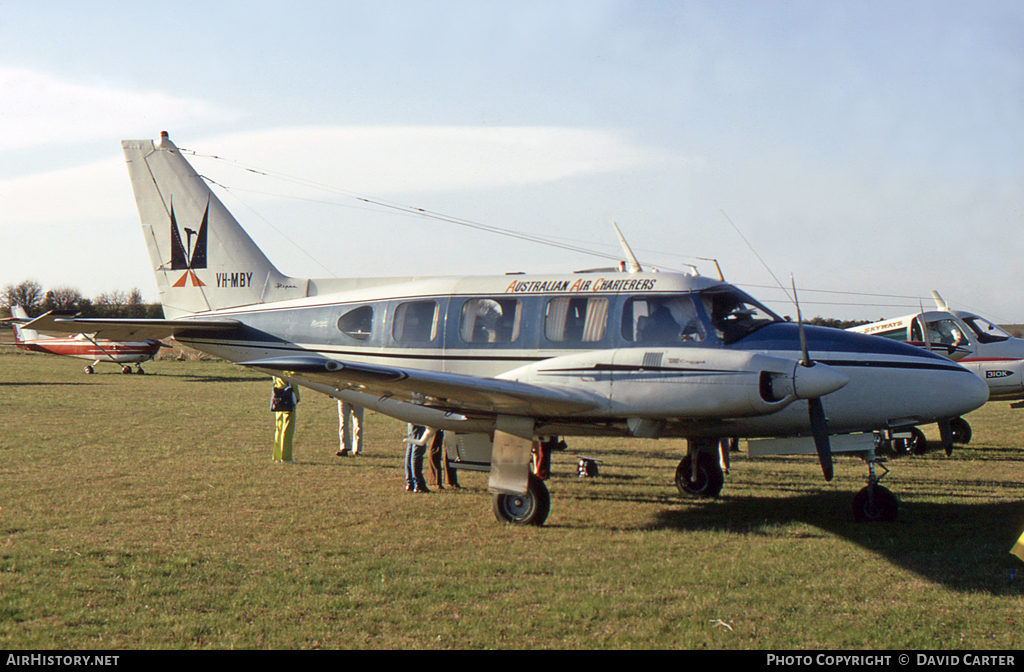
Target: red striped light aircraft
{"x": 80, "y": 346}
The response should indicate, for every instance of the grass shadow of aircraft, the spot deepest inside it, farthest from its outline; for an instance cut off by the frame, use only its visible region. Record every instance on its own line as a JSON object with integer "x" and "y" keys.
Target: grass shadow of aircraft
{"x": 963, "y": 546}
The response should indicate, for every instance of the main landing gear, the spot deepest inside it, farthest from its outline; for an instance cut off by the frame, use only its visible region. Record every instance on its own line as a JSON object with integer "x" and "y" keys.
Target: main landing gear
{"x": 531, "y": 508}
{"x": 701, "y": 474}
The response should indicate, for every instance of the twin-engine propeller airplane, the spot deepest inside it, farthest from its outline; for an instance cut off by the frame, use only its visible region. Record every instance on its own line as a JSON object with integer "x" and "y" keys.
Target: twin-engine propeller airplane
{"x": 967, "y": 338}
{"x": 81, "y": 346}
{"x": 502, "y": 362}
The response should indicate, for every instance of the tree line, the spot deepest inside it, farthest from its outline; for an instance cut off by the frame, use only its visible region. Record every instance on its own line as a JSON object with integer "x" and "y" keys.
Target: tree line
{"x": 118, "y": 303}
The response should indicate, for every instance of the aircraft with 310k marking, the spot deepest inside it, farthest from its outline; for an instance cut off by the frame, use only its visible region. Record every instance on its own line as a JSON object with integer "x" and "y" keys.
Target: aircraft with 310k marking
{"x": 501, "y": 363}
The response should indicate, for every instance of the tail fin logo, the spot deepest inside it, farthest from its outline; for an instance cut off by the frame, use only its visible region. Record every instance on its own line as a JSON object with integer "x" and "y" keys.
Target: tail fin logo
{"x": 188, "y": 257}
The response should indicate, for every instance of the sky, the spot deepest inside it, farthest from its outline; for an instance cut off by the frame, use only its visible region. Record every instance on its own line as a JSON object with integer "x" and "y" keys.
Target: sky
{"x": 874, "y": 151}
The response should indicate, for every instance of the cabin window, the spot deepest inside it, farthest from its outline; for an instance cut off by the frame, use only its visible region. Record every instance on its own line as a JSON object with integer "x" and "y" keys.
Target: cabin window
{"x": 357, "y": 323}
{"x": 415, "y": 322}
{"x": 945, "y": 332}
{"x": 985, "y": 330}
{"x": 899, "y": 334}
{"x": 490, "y": 320}
{"x": 670, "y": 319}
{"x": 576, "y": 319}
{"x": 735, "y": 315}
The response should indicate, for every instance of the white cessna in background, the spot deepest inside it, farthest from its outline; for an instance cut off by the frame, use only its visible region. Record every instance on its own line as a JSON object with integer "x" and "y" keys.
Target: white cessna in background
{"x": 970, "y": 340}
{"x": 501, "y": 362}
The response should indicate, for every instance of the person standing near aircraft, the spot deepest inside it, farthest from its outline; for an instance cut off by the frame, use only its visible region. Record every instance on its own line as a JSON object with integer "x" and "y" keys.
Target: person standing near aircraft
{"x": 440, "y": 470}
{"x": 283, "y": 402}
{"x": 350, "y": 429}
{"x": 416, "y": 441}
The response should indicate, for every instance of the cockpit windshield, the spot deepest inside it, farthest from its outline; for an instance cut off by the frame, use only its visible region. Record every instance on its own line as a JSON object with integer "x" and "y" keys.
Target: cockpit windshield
{"x": 734, "y": 314}
{"x": 985, "y": 330}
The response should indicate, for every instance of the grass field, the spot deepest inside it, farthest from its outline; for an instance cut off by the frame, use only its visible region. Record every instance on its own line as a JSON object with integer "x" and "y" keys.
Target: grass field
{"x": 144, "y": 512}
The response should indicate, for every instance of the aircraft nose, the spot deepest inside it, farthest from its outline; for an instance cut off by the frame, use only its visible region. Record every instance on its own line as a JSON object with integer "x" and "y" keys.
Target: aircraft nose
{"x": 811, "y": 382}
{"x": 972, "y": 392}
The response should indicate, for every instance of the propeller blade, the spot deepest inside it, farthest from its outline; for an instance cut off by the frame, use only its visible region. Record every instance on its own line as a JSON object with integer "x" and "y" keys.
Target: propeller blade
{"x": 800, "y": 325}
{"x": 819, "y": 427}
{"x": 946, "y": 433}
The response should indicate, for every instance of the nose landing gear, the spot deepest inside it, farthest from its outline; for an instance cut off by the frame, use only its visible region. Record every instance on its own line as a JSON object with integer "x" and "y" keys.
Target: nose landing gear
{"x": 875, "y": 503}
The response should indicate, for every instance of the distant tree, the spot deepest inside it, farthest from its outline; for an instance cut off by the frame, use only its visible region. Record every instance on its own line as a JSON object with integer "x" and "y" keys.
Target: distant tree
{"x": 28, "y": 295}
{"x": 136, "y": 306}
{"x": 834, "y": 323}
{"x": 112, "y": 304}
{"x": 62, "y": 298}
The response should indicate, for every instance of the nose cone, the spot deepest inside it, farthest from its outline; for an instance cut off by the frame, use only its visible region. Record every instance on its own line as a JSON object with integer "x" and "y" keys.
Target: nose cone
{"x": 969, "y": 393}
{"x": 811, "y": 382}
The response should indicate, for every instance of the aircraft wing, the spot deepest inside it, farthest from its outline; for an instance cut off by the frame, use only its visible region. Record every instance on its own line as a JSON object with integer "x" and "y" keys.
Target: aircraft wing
{"x": 127, "y": 329}
{"x": 444, "y": 391}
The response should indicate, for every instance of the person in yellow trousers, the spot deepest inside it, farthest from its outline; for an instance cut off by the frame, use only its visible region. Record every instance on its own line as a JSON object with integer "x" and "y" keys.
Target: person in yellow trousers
{"x": 283, "y": 402}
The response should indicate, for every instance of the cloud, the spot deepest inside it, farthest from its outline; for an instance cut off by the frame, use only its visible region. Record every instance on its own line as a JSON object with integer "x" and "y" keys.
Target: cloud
{"x": 94, "y": 192}
{"x": 381, "y": 160}
{"x": 372, "y": 161}
{"x": 38, "y": 109}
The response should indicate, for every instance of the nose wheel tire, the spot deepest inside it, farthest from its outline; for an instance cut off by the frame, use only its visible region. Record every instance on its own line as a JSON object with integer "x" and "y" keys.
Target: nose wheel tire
{"x": 961, "y": 431}
{"x": 875, "y": 504}
{"x": 706, "y": 482}
{"x": 531, "y": 508}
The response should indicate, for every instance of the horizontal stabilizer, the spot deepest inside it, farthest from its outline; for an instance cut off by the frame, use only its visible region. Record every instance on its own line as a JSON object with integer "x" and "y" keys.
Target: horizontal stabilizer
{"x": 127, "y": 329}
{"x": 445, "y": 391}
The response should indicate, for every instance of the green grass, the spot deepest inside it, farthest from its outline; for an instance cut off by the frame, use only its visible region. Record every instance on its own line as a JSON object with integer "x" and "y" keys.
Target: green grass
{"x": 144, "y": 512}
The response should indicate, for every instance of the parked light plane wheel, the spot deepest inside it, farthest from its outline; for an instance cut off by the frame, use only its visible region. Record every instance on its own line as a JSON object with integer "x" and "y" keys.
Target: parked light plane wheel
{"x": 917, "y": 444}
{"x": 961, "y": 431}
{"x": 140, "y": 371}
{"x": 529, "y": 509}
{"x": 88, "y": 370}
{"x": 126, "y": 369}
{"x": 880, "y": 506}
{"x": 709, "y": 479}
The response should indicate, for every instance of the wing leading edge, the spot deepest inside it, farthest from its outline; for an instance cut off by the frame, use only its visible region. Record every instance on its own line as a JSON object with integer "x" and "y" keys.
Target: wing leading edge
{"x": 443, "y": 391}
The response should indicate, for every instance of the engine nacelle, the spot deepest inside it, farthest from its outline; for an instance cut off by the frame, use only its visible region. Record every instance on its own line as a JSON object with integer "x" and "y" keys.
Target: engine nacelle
{"x": 684, "y": 383}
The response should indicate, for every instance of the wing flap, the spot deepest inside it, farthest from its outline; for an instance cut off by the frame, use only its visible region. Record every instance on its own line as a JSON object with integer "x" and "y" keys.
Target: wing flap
{"x": 445, "y": 391}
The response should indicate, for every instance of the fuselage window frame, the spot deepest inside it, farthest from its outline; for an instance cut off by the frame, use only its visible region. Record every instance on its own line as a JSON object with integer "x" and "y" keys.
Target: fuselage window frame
{"x": 576, "y": 319}
{"x": 355, "y": 321}
{"x": 403, "y": 320}
{"x": 490, "y": 320}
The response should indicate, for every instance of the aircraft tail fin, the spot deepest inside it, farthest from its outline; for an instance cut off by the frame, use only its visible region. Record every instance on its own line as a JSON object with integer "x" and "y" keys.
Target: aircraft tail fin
{"x": 940, "y": 303}
{"x": 202, "y": 258}
{"x": 19, "y": 317}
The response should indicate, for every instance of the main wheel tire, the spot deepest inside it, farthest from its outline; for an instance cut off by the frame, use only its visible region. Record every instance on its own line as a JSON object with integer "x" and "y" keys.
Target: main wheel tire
{"x": 531, "y": 508}
{"x": 126, "y": 369}
{"x": 917, "y": 444}
{"x": 708, "y": 481}
{"x": 880, "y": 506}
{"x": 88, "y": 370}
{"x": 961, "y": 430}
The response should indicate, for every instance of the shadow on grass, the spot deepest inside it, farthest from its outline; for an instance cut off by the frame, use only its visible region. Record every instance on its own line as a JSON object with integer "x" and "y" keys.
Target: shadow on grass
{"x": 41, "y": 384}
{"x": 964, "y": 546}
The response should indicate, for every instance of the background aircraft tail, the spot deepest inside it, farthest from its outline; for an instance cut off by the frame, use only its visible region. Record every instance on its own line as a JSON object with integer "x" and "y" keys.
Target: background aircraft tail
{"x": 19, "y": 316}
{"x": 202, "y": 258}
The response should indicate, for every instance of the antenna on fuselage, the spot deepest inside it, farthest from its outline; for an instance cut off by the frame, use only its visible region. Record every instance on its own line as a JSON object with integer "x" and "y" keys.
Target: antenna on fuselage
{"x": 632, "y": 265}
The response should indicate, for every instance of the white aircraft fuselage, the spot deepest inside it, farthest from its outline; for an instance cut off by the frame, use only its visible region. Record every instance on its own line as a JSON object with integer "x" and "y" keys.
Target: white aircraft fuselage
{"x": 513, "y": 360}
